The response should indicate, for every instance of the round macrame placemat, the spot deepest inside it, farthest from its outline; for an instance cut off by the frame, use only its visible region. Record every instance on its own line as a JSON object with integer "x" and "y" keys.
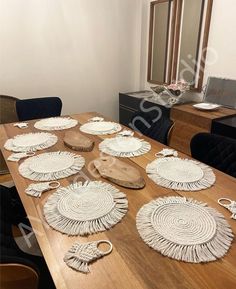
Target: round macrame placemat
{"x": 180, "y": 174}
{"x": 124, "y": 146}
{"x": 51, "y": 166}
{"x": 184, "y": 229}
{"x": 56, "y": 123}
{"x": 82, "y": 209}
{"x": 100, "y": 127}
{"x": 30, "y": 142}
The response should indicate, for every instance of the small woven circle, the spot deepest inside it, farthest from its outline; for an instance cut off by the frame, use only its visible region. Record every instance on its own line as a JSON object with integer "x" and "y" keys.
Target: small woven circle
{"x": 56, "y": 123}
{"x": 100, "y": 127}
{"x": 124, "y": 146}
{"x": 180, "y": 174}
{"x": 184, "y": 223}
{"x": 30, "y": 139}
{"x": 82, "y": 209}
{"x": 85, "y": 204}
{"x": 51, "y": 166}
{"x": 31, "y": 142}
{"x": 48, "y": 164}
{"x": 184, "y": 229}
{"x": 178, "y": 170}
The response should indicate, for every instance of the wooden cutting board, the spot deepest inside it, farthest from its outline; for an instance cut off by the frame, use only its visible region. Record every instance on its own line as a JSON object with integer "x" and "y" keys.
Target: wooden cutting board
{"x": 78, "y": 142}
{"x": 119, "y": 172}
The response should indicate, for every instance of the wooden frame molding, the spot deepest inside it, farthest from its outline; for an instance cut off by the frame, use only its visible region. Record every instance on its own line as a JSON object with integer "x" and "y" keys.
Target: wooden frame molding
{"x": 174, "y": 43}
{"x": 205, "y": 43}
{"x": 170, "y": 44}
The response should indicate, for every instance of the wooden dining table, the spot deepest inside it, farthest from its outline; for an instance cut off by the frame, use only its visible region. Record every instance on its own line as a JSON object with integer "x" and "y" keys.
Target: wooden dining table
{"x": 132, "y": 264}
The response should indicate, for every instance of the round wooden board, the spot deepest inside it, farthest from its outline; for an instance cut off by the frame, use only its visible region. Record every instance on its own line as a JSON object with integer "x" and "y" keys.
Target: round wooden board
{"x": 78, "y": 142}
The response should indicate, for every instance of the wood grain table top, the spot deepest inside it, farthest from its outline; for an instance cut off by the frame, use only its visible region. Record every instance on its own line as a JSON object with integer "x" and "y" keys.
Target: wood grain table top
{"x": 132, "y": 264}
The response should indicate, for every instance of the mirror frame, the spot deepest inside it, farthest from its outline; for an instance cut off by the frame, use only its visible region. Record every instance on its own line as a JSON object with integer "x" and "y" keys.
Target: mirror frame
{"x": 171, "y": 44}
{"x": 204, "y": 29}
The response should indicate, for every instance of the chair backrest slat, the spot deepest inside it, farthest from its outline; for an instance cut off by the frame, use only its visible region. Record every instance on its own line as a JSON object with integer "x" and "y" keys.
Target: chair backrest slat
{"x": 7, "y": 114}
{"x": 8, "y": 109}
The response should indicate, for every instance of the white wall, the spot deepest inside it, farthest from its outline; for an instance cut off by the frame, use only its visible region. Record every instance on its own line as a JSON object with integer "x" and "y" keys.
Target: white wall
{"x": 88, "y": 51}
{"x": 84, "y": 51}
{"x": 222, "y": 40}
{"x": 221, "y": 57}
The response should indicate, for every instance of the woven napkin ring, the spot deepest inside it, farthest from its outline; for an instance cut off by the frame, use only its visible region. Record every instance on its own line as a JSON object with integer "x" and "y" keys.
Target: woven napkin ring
{"x": 80, "y": 255}
{"x": 18, "y": 156}
{"x": 36, "y": 190}
{"x": 96, "y": 118}
{"x": 230, "y": 205}
{"x": 21, "y": 124}
{"x": 166, "y": 153}
{"x": 125, "y": 132}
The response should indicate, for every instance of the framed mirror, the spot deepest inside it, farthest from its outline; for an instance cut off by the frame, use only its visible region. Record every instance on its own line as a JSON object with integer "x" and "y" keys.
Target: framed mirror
{"x": 161, "y": 37}
{"x": 178, "y": 39}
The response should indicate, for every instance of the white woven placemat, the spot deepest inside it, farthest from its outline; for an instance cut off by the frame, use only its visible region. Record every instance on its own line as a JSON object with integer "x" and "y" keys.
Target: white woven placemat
{"x": 51, "y": 166}
{"x": 30, "y": 142}
{"x": 82, "y": 209}
{"x": 56, "y": 123}
{"x": 180, "y": 174}
{"x": 100, "y": 127}
{"x": 124, "y": 146}
{"x": 184, "y": 229}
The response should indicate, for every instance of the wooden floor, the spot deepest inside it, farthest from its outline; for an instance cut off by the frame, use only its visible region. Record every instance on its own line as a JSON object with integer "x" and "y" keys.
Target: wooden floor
{"x": 132, "y": 264}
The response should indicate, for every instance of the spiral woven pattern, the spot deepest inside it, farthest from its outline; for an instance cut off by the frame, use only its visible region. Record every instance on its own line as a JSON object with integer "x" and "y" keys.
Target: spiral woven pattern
{"x": 86, "y": 204}
{"x": 55, "y": 123}
{"x": 184, "y": 229}
{"x": 124, "y": 146}
{"x": 30, "y": 142}
{"x": 180, "y": 171}
{"x": 82, "y": 209}
{"x": 51, "y": 166}
{"x": 100, "y": 127}
{"x": 51, "y": 163}
{"x": 184, "y": 224}
{"x": 180, "y": 174}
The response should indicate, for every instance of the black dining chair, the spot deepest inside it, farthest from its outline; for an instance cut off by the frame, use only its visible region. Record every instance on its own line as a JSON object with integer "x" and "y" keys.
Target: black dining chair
{"x": 11, "y": 206}
{"x": 153, "y": 124}
{"x": 216, "y": 151}
{"x": 34, "y": 108}
{"x": 17, "y": 268}
{"x": 28, "y": 109}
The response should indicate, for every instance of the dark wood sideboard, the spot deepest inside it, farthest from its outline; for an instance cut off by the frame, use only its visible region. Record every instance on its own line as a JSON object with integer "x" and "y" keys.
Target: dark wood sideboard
{"x": 188, "y": 121}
